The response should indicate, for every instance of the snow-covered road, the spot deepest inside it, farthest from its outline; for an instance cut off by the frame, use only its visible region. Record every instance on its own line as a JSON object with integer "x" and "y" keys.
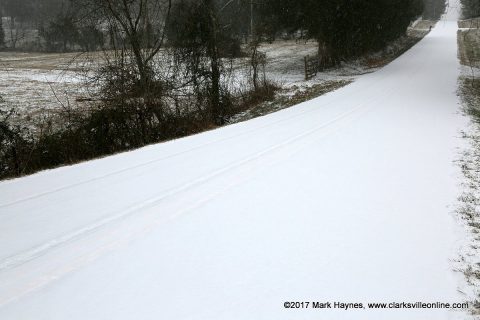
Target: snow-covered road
{"x": 348, "y": 197}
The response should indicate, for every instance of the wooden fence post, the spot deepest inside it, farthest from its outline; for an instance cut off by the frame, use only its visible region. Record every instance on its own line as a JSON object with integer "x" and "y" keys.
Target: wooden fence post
{"x": 306, "y": 67}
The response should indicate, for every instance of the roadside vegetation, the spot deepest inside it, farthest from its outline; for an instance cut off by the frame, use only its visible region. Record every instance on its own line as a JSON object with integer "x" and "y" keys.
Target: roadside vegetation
{"x": 469, "y": 200}
{"x": 469, "y": 162}
{"x": 169, "y": 68}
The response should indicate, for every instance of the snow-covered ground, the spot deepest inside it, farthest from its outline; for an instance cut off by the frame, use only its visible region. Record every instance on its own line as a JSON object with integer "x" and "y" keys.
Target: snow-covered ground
{"x": 348, "y": 197}
{"x": 35, "y": 83}
{"x": 469, "y": 161}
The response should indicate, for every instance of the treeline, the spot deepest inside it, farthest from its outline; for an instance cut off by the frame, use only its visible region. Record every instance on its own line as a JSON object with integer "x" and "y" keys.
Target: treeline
{"x": 67, "y": 25}
{"x": 471, "y": 8}
{"x": 169, "y": 71}
{"x": 48, "y": 25}
{"x": 344, "y": 28}
{"x": 72, "y": 25}
{"x": 433, "y": 9}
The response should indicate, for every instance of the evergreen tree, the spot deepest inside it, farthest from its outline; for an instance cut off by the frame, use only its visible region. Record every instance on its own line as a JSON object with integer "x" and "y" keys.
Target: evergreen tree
{"x": 90, "y": 38}
{"x": 471, "y": 8}
{"x": 344, "y": 28}
{"x": 433, "y": 9}
{"x": 61, "y": 33}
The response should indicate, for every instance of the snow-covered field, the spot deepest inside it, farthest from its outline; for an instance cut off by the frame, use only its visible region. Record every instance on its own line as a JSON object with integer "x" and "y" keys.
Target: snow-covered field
{"x": 31, "y": 82}
{"x": 349, "y": 197}
{"x": 35, "y": 83}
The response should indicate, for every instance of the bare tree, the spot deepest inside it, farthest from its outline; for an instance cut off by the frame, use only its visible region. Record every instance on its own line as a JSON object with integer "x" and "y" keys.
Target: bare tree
{"x": 141, "y": 26}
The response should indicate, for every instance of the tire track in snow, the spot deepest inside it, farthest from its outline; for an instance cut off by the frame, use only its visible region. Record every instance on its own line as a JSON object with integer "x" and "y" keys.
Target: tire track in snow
{"x": 19, "y": 259}
{"x": 146, "y": 164}
{"x": 117, "y": 237}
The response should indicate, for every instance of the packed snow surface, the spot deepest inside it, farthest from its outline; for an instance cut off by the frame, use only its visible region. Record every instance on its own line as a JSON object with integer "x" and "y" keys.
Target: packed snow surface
{"x": 348, "y": 197}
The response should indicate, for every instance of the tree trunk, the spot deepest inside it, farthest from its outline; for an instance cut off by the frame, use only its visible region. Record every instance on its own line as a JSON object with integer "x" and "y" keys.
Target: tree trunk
{"x": 254, "y": 63}
{"x": 212, "y": 48}
{"x": 13, "y": 39}
{"x": 142, "y": 68}
{"x": 326, "y": 55}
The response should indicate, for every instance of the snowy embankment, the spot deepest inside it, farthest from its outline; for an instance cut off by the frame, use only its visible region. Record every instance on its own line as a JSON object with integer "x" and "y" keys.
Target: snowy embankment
{"x": 344, "y": 198}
